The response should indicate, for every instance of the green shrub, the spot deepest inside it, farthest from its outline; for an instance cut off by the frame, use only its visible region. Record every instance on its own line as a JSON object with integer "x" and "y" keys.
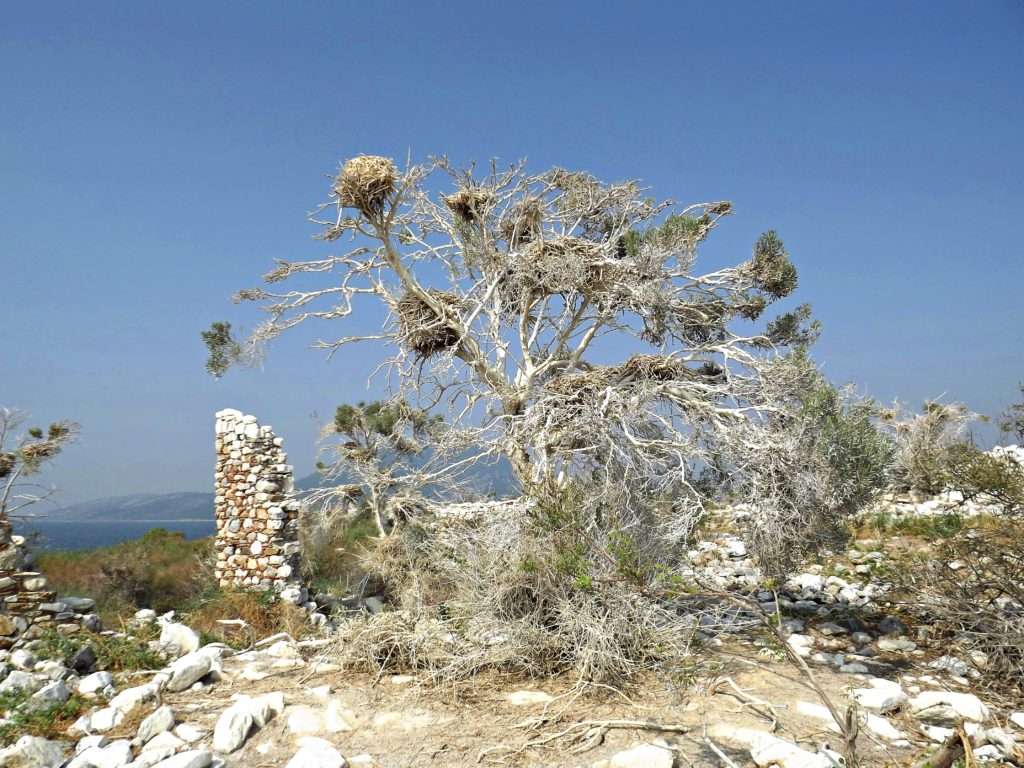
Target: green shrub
{"x": 931, "y": 527}
{"x": 113, "y": 653}
{"x": 49, "y": 722}
{"x": 980, "y": 475}
{"x": 161, "y": 571}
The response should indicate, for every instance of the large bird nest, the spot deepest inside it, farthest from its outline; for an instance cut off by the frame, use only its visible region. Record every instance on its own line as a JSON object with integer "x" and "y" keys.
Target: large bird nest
{"x": 583, "y": 383}
{"x": 653, "y": 368}
{"x": 424, "y": 331}
{"x": 638, "y": 368}
{"x": 365, "y": 183}
{"x": 469, "y": 204}
{"x": 7, "y": 461}
{"x": 522, "y": 224}
{"x": 702, "y": 322}
{"x": 563, "y": 265}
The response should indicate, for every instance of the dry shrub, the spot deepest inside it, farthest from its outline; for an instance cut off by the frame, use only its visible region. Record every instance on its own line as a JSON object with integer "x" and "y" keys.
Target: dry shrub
{"x": 422, "y": 330}
{"x": 971, "y": 595}
{"x": 365, "y": 183}
{"x": 557, "y": 587}
{"x": 923, "y": 442}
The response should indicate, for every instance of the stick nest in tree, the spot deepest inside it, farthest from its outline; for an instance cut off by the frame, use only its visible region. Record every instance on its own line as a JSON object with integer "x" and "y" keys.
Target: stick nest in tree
{"x": 522, "y": 224}
{"x": 365, "y": 183}
{"x": 422, "y": 330}
{"x": 564, "y": 265}
{"x": 653, "y": 368}
{"x": 469, "y": 204}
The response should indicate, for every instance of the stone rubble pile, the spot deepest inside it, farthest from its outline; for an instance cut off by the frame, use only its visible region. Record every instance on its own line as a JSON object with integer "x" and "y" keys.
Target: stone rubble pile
{"x": 901, "y": 707}
{"x": 28, "y": 605}
{"x": 257, "y": 513}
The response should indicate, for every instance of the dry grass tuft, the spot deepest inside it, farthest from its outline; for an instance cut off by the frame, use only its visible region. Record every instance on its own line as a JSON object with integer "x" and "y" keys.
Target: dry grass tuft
{"x": 422, "y": 330}
{"x": 263, "y": 614}
{"x": 365, "y": 183}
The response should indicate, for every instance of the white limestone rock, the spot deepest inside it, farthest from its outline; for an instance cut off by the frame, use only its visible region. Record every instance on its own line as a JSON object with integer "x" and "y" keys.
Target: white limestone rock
{"x": 316, "y": 753}
{"x": 945, "y": 707}
{"x": 195, "y": 758}
{"x": 529, "y": 698}
{"x": 97, "y": 682}
{"x": 643, "y": 756}
{"x": 232, "y": 729}
{"x": 192, "y": 667}
{"x": 178, "y": 639}
{"x": 159, "y": 721}
{"x": 767, "y": 750}
{"x": 50, "y": 694}
{"x": 884, "y": 696}
{"x": 32, "y": 752}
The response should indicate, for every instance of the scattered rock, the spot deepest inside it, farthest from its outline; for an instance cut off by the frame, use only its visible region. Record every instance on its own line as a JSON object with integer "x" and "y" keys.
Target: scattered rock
{"x": 32, "y": 752}
{"x": 316, "y": 753}
{"x": 945, "y": 707}
{"x": 890, "y": 644}
{"x": 232, "y": 729}
{"x": 177, "y": 639}
{"x": 196, "y": 758}
{"x": 643, "y": 756}
{"x": 529, "y": 698}
{"x": 192, "y": 667}
{"x": 161, "y": 720}
{"x": 84, "y": 660}
{"x": 884, "y": 696}
{"x": 95, "y": 683}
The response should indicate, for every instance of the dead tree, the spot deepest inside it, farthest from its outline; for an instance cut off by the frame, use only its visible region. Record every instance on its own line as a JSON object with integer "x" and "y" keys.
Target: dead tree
{"x": 503, "y": 296}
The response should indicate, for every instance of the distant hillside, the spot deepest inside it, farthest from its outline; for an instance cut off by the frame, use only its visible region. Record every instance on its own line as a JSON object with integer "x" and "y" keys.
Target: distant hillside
{"x": 493, "y": 479}
{"x": 141, "y": 507}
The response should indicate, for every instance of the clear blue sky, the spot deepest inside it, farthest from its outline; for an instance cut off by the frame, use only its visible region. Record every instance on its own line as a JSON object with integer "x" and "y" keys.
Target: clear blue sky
{"x": 156, "y": 157}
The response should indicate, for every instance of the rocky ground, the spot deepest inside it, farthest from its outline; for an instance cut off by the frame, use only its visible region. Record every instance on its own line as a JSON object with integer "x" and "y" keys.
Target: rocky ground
{"x": 738, "y": 701}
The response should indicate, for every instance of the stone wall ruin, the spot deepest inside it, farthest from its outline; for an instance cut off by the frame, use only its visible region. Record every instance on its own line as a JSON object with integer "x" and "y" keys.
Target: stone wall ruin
{"x": 256, "y": 509}
{"x": 29, "y": 606}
